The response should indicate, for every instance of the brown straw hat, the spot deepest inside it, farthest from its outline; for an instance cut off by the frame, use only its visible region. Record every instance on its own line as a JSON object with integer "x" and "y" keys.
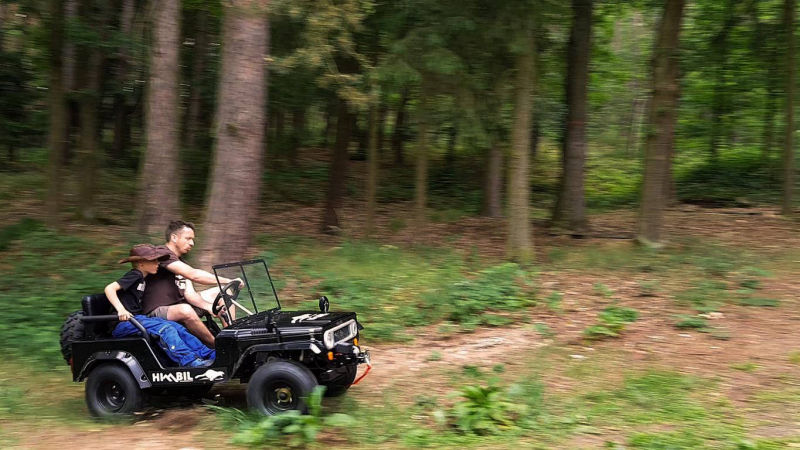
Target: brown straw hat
{"x": 146, "y": 252}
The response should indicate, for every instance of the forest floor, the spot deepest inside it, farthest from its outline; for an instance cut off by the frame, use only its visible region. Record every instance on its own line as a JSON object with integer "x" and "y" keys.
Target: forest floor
{"x": 742, "y": 362}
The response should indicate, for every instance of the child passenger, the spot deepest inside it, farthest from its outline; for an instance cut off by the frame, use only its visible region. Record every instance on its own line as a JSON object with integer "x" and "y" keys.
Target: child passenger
{"x": 125, "y": 296}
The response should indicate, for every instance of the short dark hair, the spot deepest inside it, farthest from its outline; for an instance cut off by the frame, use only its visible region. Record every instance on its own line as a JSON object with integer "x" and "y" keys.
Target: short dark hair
{"x": 176, "y": 225}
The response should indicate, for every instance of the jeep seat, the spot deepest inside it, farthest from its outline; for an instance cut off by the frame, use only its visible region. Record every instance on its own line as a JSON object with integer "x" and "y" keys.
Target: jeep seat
{"x": 97, "y": 305}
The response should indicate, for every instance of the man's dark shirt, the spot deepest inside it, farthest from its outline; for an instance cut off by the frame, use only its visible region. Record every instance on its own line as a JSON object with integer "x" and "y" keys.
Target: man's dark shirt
{"x": 164, "y": 288}
{"x": 132, "y": 286}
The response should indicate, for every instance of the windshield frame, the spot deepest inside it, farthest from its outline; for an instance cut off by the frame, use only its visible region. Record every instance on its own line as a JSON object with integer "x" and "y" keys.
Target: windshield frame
{"x": 241, "y": 265}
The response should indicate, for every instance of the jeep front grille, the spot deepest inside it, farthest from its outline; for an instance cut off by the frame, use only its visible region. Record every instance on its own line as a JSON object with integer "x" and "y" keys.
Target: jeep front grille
{"x": 340, "y": 333}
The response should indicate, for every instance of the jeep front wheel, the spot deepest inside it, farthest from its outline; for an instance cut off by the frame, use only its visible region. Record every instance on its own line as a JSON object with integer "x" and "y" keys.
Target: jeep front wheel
{"x": 280, "y": 386}
{"x": 111, "y": 391}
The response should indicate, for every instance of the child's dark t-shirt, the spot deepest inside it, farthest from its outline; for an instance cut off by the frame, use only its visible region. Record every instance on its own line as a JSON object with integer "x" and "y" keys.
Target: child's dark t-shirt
{"x": 132, "y": 289}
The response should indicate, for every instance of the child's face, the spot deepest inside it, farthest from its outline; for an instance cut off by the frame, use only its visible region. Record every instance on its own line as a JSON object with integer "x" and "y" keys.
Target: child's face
{"x": 148, "y": 267}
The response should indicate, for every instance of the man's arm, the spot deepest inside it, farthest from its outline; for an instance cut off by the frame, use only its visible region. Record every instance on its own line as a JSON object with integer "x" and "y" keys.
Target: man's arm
{"x": 195, "y": 299}
{"x": 195, "y": 275}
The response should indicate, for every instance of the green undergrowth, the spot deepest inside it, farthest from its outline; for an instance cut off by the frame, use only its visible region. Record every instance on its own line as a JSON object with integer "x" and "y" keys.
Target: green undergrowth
{"x": 393, "y": 288}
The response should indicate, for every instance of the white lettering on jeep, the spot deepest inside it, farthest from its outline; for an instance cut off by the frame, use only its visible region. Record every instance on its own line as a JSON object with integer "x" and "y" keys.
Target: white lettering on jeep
{"x": 304, "y": 317}
{"x": 177, "y": 377}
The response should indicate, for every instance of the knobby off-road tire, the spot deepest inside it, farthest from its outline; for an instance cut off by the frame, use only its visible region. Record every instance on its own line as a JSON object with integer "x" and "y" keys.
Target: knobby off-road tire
{"x": 280, "y": 386}
{"x": 111, "y": 391}
{"x": 340, "y": 385}
{"x": 72, "y": 330}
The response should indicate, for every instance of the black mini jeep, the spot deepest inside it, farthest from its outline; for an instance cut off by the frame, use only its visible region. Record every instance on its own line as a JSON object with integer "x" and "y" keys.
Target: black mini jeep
{"x": 281, "y": 355}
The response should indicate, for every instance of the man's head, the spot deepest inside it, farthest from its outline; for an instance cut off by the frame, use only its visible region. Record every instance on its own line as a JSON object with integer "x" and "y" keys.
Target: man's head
{"x": 145, "y": 258}
{"x": 180, "y": 236}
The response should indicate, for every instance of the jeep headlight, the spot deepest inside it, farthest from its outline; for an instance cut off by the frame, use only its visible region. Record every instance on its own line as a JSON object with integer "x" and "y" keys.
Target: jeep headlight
{"x": 327, "y": 339}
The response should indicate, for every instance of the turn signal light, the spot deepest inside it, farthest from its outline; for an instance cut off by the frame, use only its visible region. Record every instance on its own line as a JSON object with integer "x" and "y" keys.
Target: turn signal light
{"x": 355, "y": 342}
{"x": 330, "y": 356}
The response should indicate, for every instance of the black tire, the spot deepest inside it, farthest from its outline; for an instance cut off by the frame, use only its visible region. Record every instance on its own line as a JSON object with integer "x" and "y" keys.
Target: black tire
{"x": 72, "y": 330}
{"x": 342, "y": 383}
{"x": 111, "y": 391}
{"x": 280, "y": 386}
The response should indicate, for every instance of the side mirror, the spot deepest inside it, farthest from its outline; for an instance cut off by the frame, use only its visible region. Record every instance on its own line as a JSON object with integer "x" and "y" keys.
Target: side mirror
{"x": 324, "y": 304}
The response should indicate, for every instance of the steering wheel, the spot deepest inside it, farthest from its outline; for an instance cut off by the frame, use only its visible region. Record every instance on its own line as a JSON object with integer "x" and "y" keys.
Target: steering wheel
{"x": 228, "y": 299}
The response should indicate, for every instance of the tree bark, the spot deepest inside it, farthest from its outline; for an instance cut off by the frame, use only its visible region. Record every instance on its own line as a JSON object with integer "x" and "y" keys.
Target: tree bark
{"x": 570, "y": 211}
{"x": 662, "y": 117}
{"x": 121, "y": 99}
{"x": 337, "y": 179}
{"x": 233, "y": 202}
{"x": 372, "y": 168}
{"x": 520, "y": 246}
{"x": 298, "y": 130}
{"x": 199, "y": 53}
{"x": 788, "y": 136}
{"x": 88, "y": 144}
{"x": 493, "y": 193}
{"x": 421, "y": 158}
{"x": 399, "y": 131}
{"x": 57, "y": 131}
{"x": 159, "y": 181}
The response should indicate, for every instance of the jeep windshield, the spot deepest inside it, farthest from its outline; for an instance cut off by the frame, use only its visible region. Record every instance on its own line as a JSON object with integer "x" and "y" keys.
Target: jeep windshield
{"x": 258, "y": 292}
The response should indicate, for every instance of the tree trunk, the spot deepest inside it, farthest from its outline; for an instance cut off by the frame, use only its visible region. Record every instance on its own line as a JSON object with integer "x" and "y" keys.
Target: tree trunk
{"x": 57, "y": 131}
{"x": 569, "y": 213}
{"x": 233, "y": 202}
{"x": 372, "y": 168}
{"x": 788, "y": 137}
{"x": 337, "y": 179}
{"x": 159, "y": 182}
{"x": 88, "y": 143}
{"x": 121, "y": 99}
{"x": 662, "y": 117}
{"x": 199, "y": 52}
{"x": 298, "y": 130}
{"x": 520, "y": 246}
{"x": 493, "y": 194}
{"x": 398, "y": 134}
{"x": 421, "y": 157}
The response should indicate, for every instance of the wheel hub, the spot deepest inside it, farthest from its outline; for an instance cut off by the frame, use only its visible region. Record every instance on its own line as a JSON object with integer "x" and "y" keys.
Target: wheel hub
{"x": 283, "y": 396}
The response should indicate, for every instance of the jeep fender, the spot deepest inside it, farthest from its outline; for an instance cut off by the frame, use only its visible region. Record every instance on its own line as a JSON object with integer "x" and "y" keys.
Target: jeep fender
{"x": 315, "y": 347}
{"x": 124, "y": 357}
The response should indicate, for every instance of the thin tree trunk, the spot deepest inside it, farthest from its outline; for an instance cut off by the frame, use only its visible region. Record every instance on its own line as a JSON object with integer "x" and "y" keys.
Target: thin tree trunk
{"x": 569, "y": 213}
{"x": 398, "y": 134}
{"x": 789, "y": 126}
{"x": 337, "y": 178}
{"x": 121, "y": 106}
{"x": 88, "y": 145}
{"x": 57, "y": 132}
{"x": 236, "y": 175}
{"x": 421, "y": 157}
{"x": 520, "y": 246}
{"x": 662, "y": 117}
{"x": 159, "y": 182}
{"x": 372, "y": 168}
{"x": 493, "y": 193}
{"x": 382, "y": 111}
{"x": 298, "y": 130}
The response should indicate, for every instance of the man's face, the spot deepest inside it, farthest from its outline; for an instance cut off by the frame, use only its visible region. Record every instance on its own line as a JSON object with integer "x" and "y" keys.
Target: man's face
{"x": 183, "y": 240}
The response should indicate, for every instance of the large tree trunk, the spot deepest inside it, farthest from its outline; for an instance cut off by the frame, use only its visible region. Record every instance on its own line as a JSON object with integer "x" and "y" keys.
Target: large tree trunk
{"x": 569, "y": 213}
{"x": 122, "y": 107}
{"x": 372, "y": 167}
{"x": 193, "y": 125}
{"x": 399, "y": 131}
{"x": 493, "y": 192}
{"x": 788, "y": 136}
{"x": 236, "y": 175}
{"x": 57, "y": 132}
{"x": 159, "y": 183}
{"x": 520, "y": 246}
{"x": 337, "y": 179}
{"x": 662, "y": 117}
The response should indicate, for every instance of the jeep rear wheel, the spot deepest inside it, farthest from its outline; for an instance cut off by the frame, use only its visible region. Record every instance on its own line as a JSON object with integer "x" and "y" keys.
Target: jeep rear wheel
{"x": 111, "y": 391}
{"x": 71, "y": 331}
{"x": 342, "y": 383}
{"x": 280, "y": 386}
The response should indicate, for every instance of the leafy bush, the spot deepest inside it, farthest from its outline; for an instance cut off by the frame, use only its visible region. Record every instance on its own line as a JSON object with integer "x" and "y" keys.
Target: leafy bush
{"x": 612, "y": 321}
{"x": 293, "y": 428}
{"x": 485, "y": 410}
